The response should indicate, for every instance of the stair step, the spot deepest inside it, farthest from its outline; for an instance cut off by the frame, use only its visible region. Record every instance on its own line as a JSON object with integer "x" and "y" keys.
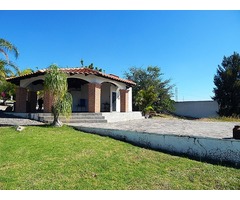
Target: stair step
{"x": 72, "y": 118}
{"x": 75, "y": 118}
{"x": 80, "y": 121}
{"x": 73, "y": 114}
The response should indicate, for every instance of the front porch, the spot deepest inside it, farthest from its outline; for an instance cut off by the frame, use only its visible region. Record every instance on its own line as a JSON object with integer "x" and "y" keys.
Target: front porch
{"x": 92, "y": 92}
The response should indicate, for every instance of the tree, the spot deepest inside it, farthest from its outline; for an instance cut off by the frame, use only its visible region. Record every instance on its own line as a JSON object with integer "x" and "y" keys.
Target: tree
{"x": 26, "y": 71}
{"x": 227, "y": 82}
{"x": 146, "y": 98}
{"x": 147, "y": 78}
{"x": 7, "y": 69}
{"x": 55, "y": 82}
{"x": 5, "y": 47}
{"x": 6, "y": 91}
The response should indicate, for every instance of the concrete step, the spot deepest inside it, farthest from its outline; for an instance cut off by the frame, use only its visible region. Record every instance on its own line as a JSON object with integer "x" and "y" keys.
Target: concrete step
{"x": 75, "y": 118}
{"x": 73, "y": 114}
{"x": 79, "y": 121}
{"x": 72, "y": 118}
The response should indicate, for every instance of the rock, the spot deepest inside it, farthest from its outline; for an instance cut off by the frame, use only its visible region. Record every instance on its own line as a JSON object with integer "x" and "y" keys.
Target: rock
{"x": 236, "y": 132}
{"x": 20, "y": 128}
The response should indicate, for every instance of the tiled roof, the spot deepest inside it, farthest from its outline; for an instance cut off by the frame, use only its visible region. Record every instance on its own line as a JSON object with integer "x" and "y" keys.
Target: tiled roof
{"x": 72, "y": 71}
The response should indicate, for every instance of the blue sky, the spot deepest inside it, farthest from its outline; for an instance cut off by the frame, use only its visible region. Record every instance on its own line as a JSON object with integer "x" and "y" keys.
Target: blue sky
{"x": 187, "y": 45}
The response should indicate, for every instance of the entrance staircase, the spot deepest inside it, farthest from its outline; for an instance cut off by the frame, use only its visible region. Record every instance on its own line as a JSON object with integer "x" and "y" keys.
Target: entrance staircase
{"x": 75, "y": 118}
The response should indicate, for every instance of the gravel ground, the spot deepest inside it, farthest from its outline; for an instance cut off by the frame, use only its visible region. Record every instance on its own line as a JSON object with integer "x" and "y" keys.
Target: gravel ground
{"x": 10, "y": 120}
{"x": 171, "y": 126}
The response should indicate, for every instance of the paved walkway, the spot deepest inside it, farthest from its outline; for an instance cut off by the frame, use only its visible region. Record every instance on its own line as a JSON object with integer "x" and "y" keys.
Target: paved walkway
{"x": 171, "y": 126}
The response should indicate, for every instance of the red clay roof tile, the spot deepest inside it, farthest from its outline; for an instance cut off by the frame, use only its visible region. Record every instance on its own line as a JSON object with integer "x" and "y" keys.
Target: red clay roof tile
{"x": 83, "y": 70}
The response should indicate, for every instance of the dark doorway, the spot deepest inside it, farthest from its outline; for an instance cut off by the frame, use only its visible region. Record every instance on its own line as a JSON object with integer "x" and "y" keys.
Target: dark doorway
{"x": 114, "y": 97}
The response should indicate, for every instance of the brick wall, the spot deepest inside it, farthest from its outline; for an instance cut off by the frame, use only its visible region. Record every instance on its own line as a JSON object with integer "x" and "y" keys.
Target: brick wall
{"x": 32, "y": 101}
{"x": 21, "y": 99}
{"x": 94, "y": 97}
{"x": 47, "y": 102}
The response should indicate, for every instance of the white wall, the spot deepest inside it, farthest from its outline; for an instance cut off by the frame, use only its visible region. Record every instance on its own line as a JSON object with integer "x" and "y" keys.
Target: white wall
{"x": 196, "y": 109}
{"x": 130, "y": 99}
{"x": 217, "y": 150}
{"x": 77, "y": 95}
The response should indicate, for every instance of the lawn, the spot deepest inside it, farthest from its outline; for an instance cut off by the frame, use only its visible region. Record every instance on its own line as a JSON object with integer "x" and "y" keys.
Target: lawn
{"x": 49, "y": 158}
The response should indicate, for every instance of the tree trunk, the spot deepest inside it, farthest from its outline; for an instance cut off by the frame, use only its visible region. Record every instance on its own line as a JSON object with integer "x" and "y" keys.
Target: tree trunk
{"x": 56, "y": 120}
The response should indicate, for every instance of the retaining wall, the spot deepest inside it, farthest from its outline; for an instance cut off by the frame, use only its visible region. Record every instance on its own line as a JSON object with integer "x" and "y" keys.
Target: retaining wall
{"x": 211, "y": 149}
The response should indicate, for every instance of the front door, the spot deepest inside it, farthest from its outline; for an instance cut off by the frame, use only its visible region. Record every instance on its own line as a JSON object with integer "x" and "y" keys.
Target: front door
{"x": 114, "y": 98}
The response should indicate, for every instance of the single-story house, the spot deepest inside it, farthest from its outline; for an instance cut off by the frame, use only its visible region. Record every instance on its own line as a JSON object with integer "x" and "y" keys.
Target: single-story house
{"x": 92, "y": 91}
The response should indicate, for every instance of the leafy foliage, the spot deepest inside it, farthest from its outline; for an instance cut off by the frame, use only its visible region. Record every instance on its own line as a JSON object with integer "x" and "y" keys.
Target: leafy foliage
{"x": 6, "y": 90}
{"x": 146, "y": 98}
{"x": 227, "y": 82}
{"x": 5, "y": 48}
{"x": 7, "y": 69}
{"x": 56, "y": 82}
{"x": 94, "y": 68}
{"x": 150, "y": 79}
{"x": 26, "y": 71}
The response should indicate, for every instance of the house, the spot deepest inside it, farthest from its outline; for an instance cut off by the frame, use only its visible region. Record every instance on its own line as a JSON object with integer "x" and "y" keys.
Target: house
{"x": 92, "y": 91}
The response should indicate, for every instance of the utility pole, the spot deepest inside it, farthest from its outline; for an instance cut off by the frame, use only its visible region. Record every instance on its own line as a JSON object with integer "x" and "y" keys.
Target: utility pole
{"x": 176, "y": 94}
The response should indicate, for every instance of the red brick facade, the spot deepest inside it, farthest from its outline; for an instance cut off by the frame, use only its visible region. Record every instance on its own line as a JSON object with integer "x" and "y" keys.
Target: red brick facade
{"x": 123, "y": 100}
{"x": 26, "y": 101}
{"x": 32, "y": 101}
{"x": 21, "y": 100}
{"x": 47, "y": 102}
{"x": 94, "y": 97}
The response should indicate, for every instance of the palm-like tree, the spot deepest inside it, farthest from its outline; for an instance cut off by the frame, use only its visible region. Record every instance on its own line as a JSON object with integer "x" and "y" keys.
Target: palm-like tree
{"x": 55, "y": 82}
{"x": 5, "y": 48}
{"x": 146, "y": 98}
{"x": 26, "y": 71}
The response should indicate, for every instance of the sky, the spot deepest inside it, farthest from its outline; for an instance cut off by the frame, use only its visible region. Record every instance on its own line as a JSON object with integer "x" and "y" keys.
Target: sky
{"x": 188, "y": 45}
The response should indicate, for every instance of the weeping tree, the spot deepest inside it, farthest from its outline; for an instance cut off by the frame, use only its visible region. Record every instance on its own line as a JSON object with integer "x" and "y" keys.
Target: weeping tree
{"x": 55, "y": 82}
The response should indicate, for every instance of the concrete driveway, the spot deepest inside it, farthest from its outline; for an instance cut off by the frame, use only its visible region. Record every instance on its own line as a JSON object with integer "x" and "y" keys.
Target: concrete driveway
{"x": 171, "y": 126}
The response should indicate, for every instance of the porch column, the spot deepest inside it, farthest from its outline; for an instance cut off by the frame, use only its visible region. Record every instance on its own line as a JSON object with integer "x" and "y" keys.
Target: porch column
{"x": 123, "y": 100}
{"x": 32, "y": 100}
{"x": 21, "y": 100}
{"x": 94, "y": 97}
{"x": 47, "y": 102}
